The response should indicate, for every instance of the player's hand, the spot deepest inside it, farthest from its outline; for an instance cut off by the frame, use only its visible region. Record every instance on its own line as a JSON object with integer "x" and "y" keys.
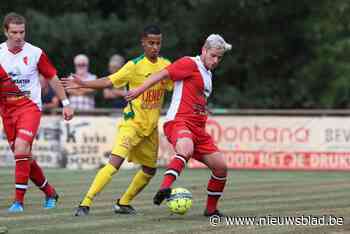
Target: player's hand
{"x": 108, "y": 93}
{"x": 119, "y": 93}
{"x": 72, "y": 82}
{"x": 134, "y": 93}
{"x": 68, "y": 113}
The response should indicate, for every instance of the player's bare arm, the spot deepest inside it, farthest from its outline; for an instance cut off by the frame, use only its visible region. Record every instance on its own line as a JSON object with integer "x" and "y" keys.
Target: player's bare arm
{"x": 80, "y": 92}
{"x": 75, "y": 82}
{"x": 152, "y": 80}
{"x": 113, "y": 93}
{"x": 56, "y": 85}
{"x": 85, "y": 91}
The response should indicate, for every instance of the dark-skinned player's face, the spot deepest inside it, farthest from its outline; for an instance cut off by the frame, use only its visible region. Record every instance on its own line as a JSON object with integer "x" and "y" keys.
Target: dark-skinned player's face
{"x": 151, "y": 45}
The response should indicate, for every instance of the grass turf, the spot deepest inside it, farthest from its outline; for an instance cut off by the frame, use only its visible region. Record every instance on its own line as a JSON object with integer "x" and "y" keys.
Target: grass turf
{"x": 248, "y": 193}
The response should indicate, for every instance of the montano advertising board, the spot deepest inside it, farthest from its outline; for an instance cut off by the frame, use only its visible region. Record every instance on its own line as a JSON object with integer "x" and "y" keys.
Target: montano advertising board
{"x": 302, "y": 143}
{"x": 283, "y": 143}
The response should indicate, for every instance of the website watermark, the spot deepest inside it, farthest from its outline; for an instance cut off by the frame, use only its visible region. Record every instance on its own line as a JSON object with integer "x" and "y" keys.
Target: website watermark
{"x": 269, "y": 220}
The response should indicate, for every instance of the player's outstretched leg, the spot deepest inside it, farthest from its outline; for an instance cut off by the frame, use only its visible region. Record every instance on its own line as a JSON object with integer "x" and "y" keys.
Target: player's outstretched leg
{"x": 38, "y": 178}
{"x": 103, "y": 177}
{"x": 139, "y": 182}
{"x": 217, "y": 181}
{"x": 177, "y": 164}
{"x": 22, "y": 171}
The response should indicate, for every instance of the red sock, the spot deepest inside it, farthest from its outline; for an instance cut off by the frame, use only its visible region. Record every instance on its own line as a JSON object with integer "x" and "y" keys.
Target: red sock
{"x": 38, "y": 178}
{"x": 174, "y": 169}
{"x": 22, "y": 172}
{"x": 215, "y": 188}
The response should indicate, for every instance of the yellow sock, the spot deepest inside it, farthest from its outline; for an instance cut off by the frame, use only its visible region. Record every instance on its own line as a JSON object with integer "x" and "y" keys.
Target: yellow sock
{"x": 102, "y": 178}
{"x": 139, "y": 181}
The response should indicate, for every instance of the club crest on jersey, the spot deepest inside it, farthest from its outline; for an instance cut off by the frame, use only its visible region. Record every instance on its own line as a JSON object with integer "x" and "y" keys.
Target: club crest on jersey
{"x": 25, "y": 60}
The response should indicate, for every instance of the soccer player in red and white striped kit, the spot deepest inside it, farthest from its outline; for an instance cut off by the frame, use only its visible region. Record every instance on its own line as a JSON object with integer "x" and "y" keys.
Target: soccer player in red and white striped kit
{"x": 20, "y": 105}
{"x": 186, "y": 119}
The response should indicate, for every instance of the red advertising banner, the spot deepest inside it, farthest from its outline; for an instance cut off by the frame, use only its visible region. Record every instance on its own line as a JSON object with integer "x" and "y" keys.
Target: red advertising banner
{"x": 281, "y": 143}
{"x": 248, "y": 142}
{"x": 284, "y": 160}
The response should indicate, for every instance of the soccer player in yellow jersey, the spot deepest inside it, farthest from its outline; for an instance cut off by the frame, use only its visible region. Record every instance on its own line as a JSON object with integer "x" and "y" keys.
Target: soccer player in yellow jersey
{"x": 137, "y": 140}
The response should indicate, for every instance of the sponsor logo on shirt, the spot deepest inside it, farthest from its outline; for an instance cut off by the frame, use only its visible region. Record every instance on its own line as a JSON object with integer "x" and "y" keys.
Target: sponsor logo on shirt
{"x": 152, "y": 99}
{"x": 200, "y": 109}
{"x": 22, "y": 82}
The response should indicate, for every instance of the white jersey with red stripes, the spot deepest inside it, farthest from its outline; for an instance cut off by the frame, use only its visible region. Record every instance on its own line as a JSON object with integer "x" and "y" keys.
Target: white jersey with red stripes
{"x": 23, "y": 68}
{"x": 192, "y": 87}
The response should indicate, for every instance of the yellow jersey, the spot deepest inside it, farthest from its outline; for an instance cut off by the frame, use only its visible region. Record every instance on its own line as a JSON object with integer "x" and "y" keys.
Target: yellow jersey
{"x": 144, "y": 111}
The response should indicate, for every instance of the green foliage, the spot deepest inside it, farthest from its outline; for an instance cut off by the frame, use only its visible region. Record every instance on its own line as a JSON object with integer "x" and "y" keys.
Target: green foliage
{"x": 327, "y": 72}
{"x": 286, "y": 53}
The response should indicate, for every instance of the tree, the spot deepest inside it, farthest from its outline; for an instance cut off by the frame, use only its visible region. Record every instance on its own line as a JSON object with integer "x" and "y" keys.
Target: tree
{"x": 286, "y": 53}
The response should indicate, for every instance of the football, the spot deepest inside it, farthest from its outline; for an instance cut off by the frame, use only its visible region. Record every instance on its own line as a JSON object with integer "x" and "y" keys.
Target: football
{"x": 180, "y": 201}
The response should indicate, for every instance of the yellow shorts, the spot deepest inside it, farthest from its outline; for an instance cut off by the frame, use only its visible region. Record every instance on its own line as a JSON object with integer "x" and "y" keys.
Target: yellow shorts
{"x": 136, "y": 148}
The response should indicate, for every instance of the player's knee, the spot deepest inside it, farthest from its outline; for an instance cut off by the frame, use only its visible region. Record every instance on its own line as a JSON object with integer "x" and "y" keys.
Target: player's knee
{"x": 149, "y": 170}
{"x": 21, "y": 147}
{"x": 185, "y": 152}
{"x": 184, "y": 146}
{"x": 115, "y": 161}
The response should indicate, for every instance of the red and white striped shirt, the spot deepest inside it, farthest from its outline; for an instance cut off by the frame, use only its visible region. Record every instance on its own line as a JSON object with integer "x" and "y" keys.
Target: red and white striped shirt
{"x": 19, "y": 75}
{"x": 192, "y": 87}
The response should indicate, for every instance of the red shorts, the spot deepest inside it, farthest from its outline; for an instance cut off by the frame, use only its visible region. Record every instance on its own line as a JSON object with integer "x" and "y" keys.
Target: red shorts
{"x": 24, "y": 126}
{"x": 203, "y": 142}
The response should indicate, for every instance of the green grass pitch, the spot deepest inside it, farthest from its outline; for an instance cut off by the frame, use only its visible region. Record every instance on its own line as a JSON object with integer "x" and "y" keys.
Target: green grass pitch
{"x": 248, "y": 193}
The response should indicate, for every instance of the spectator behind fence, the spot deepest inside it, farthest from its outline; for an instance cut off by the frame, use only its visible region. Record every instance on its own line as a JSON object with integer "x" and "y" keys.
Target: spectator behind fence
{"x": 82, "y": 99}
{"x": 48, "y": 97}
{"x": 115, "y": 63}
